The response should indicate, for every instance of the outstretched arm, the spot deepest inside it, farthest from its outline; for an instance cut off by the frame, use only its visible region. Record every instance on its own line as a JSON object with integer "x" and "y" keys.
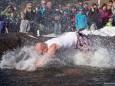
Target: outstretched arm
{"x": 51, "y": 51}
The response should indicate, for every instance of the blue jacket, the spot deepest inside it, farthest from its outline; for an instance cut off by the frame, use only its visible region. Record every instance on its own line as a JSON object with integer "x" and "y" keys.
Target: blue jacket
{"x": 81, "y": 21}
{"x": 41, "y": 10}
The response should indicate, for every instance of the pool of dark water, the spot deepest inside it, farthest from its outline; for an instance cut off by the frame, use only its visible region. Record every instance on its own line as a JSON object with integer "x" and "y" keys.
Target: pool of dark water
{"x": 63, "y": 76}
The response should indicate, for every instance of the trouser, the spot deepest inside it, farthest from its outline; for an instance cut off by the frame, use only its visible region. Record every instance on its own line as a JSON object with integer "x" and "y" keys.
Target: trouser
{"x": 93, "y": 26}
{"x": 25, "y": 26}
{"x": 113, "y": 22}
{"x": 57, "y": 28}
{"x": 101, "y": 24}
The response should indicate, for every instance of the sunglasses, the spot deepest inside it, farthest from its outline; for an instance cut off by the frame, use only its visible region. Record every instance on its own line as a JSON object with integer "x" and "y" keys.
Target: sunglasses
{"x": 29, "y": 7}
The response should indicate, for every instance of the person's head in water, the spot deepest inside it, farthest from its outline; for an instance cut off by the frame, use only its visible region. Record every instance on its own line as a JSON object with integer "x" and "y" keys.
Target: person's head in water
{"x": 41, "y": 48}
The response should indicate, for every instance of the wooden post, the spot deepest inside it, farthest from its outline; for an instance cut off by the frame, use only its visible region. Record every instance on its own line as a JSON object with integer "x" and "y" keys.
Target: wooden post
{"x": 99, "y": 3}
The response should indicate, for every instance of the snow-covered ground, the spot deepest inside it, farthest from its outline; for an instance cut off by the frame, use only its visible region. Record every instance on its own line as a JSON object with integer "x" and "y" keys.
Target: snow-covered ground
{"x": 106, "y": 31}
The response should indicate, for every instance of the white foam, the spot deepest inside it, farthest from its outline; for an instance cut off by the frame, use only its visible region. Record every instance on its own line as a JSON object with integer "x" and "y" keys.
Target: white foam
{"x": 100, "y": 58}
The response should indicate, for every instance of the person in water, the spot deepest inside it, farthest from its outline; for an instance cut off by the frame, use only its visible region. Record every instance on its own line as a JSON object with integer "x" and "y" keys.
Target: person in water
{"x": 69, "y": 40}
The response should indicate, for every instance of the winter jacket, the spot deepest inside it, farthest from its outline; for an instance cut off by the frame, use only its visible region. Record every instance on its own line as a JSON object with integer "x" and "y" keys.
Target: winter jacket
{"x": 113, "y": 10}
{"x": 102, "y": 15}
{"x": 41, "y": 10}
{"x": 81, "y": 21}
{"x": 48, "y": 16}
{"x": 93, "y": 15}
{"x": 58, "y": 15}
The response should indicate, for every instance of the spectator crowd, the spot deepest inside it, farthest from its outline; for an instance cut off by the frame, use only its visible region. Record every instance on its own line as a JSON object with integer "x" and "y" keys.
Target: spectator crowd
{"x": 47, "y": 18}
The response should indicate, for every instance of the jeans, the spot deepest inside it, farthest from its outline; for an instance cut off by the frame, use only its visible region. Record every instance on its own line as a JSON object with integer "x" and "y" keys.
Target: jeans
{"x": 57, "y": 28}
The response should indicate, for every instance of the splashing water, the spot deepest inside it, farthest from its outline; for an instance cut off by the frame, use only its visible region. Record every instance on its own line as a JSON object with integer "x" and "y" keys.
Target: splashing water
{"x": 25, "y": 58}
{"x": 20, "y": 59}
{"x": 100, "y": 58}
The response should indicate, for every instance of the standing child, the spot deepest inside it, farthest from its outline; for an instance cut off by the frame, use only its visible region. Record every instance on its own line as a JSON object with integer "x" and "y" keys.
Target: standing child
{"x": 109, "y": 23}
{"x": 81, "y": 20}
